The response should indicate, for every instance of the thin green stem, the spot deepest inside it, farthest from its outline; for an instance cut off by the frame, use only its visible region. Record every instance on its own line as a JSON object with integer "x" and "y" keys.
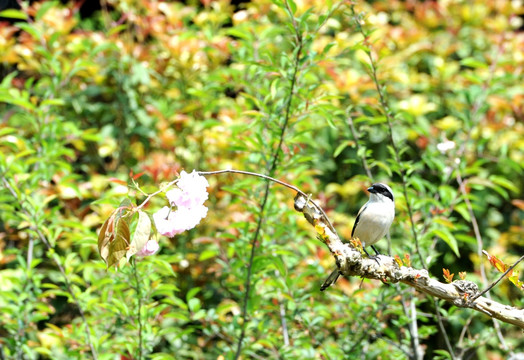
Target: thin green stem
{"x": 389, "y": 119}
{"x": 360, "y": 149}
{"x": 44, "y": 240}
{"x": 475, "y": 119}
{"x": 139, "y": 311}
{"x": 163, "y": 188}
{"x": 271, "y": 170}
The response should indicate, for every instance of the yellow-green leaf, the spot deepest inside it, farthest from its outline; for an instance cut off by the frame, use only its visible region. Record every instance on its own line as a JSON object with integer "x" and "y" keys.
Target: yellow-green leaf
{"x": 141, "y": 235}
{"x": 13, "y": 14}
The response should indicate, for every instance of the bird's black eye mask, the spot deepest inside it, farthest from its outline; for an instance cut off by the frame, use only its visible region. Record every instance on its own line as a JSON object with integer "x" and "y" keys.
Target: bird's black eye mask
{"x": 381, "y": 189}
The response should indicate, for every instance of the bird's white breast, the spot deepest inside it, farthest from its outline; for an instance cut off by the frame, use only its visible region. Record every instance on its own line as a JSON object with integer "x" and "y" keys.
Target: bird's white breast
{"x": 374, "y": 222}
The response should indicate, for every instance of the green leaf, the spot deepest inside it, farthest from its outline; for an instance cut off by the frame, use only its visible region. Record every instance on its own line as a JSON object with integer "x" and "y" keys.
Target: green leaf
{"x": 462, "y": 209}
{"x": 13, "y": 14}
{"x": 321, "y": 20}
{"x": 29, "y": 29}
{"x": 279, "y": 265}
{"x": 117, "y": 29}
{"x": 7, "y": 131}
{"x": 55, "y": 102}
{"x": 466, "y": 239}
{"x": 17, "y": 100}
{"x": 474, "y": 63}
{"x": 44, "y": 7}
{"x": 504, "y": 182}
{"x": 443, "y": 354}
{"x": 264, "y": 262}
{"x": 238, "y": 34}
{"x": 141, "y": 235}
{"x": 25, "y": 153}
{"x": 292, "y": 6}
{"x": 194, "y": 304}
{"x": 341, "y": 147}
{"x": 126, "y": 203}
{"x": 191, "y": 293}
{"x": 448, "y": 238}
{"x": 207, "y": 254}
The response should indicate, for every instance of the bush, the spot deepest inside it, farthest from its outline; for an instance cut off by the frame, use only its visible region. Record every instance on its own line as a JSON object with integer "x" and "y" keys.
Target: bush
{"x": 107, "y": 107}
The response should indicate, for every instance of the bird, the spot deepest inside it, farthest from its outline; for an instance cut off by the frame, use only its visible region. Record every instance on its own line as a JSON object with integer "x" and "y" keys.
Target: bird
{"x": 372, "y": 223}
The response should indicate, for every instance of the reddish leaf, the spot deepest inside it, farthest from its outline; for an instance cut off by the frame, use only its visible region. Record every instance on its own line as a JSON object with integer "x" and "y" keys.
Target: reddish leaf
{"x": 117, "y": 181}
{"x": 447, "y": 276}
{"x": 407, "y": 260}
{"x": 498, "y": 264}
{"x": 518, "y": 203}
{"x": 139, "y": 175}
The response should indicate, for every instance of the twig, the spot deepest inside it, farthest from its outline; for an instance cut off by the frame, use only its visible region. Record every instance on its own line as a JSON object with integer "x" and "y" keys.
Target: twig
{"x": 475, "y": 110}
{"x": 249, "y": 271}
{"x": 232, "y": 171}
{"x": 461, "y": 337}
{"x": 499, "y": 279}
{"x": 162, "y": 189}
{"x": 478, "y": 237}
{"x": 271, "y": 170}
{"x": 389, "y": 118}
{"x": 413, "y": 327}
{"x": 283, "y": 321}
{"x": 474, "y": 223}
{"x": 356, "y": 137}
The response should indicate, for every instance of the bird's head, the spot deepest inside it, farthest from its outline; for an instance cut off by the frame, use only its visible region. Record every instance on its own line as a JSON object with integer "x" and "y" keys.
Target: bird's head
{"x": 381, "y": 191}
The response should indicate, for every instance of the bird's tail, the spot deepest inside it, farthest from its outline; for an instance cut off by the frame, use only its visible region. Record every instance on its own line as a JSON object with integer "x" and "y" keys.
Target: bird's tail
{"x": 333, "y": 277}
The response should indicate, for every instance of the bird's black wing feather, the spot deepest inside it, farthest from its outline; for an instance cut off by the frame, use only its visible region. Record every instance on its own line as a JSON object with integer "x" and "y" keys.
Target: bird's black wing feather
{"x": 358, "y": 218}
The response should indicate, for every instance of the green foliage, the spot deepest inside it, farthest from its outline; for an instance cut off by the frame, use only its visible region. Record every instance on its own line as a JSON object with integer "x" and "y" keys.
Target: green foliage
{"x": 321, "y": 95}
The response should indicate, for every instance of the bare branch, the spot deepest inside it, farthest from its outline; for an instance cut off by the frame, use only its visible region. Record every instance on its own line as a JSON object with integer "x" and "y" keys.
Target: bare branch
{"x": 500, "y": 278}
{"x": 351, "y": 263}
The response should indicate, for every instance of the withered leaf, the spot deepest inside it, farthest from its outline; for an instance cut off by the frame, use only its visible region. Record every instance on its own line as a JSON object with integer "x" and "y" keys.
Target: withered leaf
{"x": 118, "y": 246}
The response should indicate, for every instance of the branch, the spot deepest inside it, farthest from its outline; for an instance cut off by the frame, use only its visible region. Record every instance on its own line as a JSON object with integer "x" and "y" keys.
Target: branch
{"x": 500, "y": 278}
{"x": 351, "y": 263}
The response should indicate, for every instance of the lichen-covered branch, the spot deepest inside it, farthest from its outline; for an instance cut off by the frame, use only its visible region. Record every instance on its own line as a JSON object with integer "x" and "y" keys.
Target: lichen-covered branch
{"x": 351, "y": 263}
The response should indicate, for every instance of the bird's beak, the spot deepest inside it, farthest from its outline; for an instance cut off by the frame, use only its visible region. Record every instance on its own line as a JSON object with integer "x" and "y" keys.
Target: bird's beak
{"x": 371, "y": 190}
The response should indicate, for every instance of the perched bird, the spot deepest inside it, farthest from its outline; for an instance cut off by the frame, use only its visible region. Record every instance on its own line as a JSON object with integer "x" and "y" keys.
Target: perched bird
{"x": 372, "y": 223}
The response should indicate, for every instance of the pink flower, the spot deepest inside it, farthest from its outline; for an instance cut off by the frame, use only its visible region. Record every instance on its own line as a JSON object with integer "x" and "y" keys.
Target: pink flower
{"x": 150, "y": 248}
{"x": 189, "y": 200}
{"x": 167, "y": 223}
{"x": 191, "y": 192}
{"x": 191, "y": 217}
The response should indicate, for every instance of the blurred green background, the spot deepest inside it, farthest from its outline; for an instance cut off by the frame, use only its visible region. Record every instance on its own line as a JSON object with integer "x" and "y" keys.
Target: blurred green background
{"x": 92, "y": 92}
